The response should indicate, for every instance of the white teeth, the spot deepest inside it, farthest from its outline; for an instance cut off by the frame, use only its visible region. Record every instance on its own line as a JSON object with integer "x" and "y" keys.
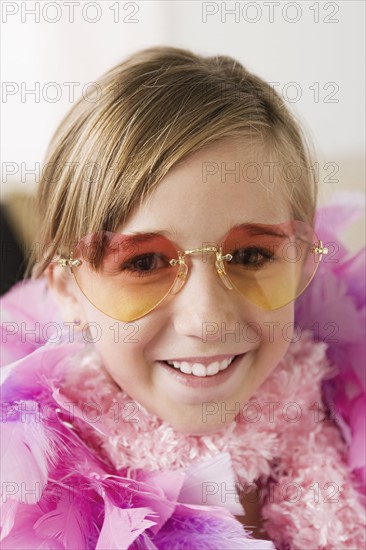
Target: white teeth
{"x": 185, "y": 367}
{"x": 198, "y": 369}
{"x": 213, "y": 368}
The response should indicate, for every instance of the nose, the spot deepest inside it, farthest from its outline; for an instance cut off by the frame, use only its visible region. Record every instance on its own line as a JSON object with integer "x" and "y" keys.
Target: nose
{"x": 203, "y": 307}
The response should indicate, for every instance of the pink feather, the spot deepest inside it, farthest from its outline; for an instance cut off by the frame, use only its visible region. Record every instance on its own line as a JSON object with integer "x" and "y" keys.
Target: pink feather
{"x": 25, "y": 451}
{"x": 121, "y": 527}
{"x": 212, "y": 483}
{"x": 23, "y": 535}
{"x": 358, "y": 422}
{"x": 8, "y": 513}
{"x": 68, "y": 523}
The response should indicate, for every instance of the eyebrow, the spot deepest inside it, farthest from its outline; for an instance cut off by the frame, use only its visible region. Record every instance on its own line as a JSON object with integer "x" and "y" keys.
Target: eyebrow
{"x": 146, "y": 236}
{"x": 254, "y": 229}
{"x": 262, "y": 229}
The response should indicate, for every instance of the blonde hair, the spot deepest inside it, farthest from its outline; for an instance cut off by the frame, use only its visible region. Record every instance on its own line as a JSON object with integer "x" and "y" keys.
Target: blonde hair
{"x": 147, "y": 114}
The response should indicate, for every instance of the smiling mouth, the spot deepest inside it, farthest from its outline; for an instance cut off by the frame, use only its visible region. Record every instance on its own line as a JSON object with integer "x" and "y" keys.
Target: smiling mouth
{"x": 199, "y": 369}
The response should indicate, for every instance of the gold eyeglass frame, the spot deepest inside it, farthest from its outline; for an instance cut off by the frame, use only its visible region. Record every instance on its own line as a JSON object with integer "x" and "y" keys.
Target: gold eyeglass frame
{"x": 219, "y": 264}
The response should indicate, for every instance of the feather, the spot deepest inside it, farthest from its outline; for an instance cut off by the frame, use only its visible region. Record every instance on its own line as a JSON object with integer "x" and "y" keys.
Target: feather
{"x": 358, "y": 423}
{"x": 121, "y": 527}
{"x": 211, "y": 482}
{"x": 76, "y": 412}
{"x": 69, "y": 522}
{"x": 143, "y": 543}
{"x": 23, "y": 535}
{"x": 8, "y": 509}
{"x": 25, "y": 451}
{"x": 146, "y": 491}
{"x": 207, "y": 533}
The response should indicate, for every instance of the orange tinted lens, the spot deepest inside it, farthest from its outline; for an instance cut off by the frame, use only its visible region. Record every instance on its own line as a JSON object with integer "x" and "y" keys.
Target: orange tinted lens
{"x": 125, "y": 276}
{"x": 271, "y": 264}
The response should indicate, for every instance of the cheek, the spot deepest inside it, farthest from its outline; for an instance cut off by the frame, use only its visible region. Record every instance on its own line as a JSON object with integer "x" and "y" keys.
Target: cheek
{"x": 276, "y": 330}
{"x": 121, "y": 346}
{"x": 121, "y": 354}
{"x": 277, "y": 327}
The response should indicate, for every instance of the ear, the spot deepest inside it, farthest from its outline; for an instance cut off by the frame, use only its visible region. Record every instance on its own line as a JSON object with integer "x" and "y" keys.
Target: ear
{"x": 66, "y": 293}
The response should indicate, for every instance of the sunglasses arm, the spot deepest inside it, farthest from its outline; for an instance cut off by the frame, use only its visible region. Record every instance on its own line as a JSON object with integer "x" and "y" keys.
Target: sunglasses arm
{"x": 319, "y": 249}
{"x": 69, "y": 262}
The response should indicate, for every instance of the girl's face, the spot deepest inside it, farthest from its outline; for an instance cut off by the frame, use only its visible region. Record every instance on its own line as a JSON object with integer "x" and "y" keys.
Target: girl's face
{"x": 197, "y": 203}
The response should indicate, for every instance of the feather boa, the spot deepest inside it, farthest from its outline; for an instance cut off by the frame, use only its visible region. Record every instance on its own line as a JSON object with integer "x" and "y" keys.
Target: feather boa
{"x": 77, "y": 475}
{"x": 59, "y": 492}
{"x": 333, "y": 308}
{"x": 65, "y": 465}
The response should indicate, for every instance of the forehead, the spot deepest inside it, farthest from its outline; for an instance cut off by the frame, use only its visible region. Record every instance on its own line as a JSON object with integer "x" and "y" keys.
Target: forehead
{"x": 215, "y": 188}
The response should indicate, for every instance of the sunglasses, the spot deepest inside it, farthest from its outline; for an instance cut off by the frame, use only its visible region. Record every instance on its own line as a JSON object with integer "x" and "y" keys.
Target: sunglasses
{"x": 127, "y": 276}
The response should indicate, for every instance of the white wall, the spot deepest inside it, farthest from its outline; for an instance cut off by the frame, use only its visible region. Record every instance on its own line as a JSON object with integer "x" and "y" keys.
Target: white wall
{"x": 37, "y": 53}
{"x": 294, "y": 45}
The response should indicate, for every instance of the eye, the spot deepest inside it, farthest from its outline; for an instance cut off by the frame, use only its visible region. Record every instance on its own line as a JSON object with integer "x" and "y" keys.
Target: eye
{"x": 252, "y": 258}
{"x": 145, "y": 264}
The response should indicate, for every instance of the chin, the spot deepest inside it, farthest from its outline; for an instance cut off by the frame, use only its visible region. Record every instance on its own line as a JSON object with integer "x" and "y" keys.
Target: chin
{"x": 189, "y": 420}
{"x": 205, "y": 430}
{"x": 195, "y": 428}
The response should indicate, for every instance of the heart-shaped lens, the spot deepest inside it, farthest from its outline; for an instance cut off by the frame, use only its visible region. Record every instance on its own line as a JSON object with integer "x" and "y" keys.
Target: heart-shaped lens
{"x": 271, "y": 264}
{"x": 125, "y": 276}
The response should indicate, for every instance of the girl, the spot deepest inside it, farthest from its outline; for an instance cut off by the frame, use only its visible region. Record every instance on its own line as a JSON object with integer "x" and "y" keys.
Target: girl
{"x": 165, "y": 377}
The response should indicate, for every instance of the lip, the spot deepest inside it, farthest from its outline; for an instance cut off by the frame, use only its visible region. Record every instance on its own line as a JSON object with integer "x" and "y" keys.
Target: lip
{"x": 203, "y": 360}
{"x": 193, "y": 381}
